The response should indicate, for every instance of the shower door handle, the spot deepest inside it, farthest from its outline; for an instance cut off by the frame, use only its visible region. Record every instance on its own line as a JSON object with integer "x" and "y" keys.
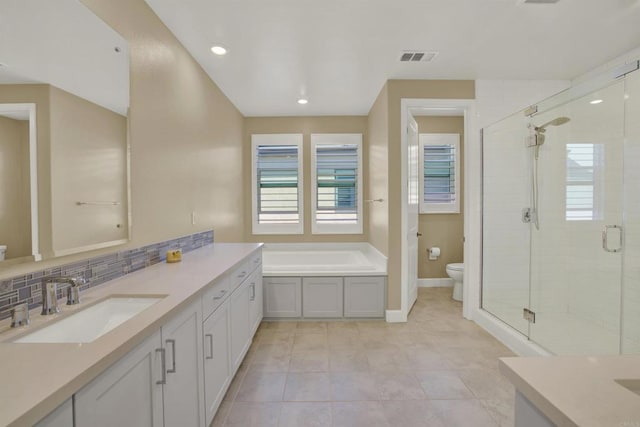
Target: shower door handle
{"x": 605, "y": 238}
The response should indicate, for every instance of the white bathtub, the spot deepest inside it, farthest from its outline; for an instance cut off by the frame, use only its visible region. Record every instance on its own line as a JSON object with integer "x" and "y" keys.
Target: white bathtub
{"x": 322, "y": 259}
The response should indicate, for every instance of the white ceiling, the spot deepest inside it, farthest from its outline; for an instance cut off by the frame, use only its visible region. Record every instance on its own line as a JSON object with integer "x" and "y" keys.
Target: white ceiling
{"x": 64, "y": 44}
{"x": 339, "y": 53}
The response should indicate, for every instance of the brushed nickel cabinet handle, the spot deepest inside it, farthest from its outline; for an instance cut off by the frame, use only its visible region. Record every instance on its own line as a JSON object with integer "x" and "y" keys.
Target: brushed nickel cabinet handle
{"x": 173, "y": 356}
{"x": 163, "y": 363}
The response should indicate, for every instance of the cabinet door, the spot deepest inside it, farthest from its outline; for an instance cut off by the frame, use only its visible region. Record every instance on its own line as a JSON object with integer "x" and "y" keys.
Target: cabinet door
{"x": 239, "y": 324}
{"x": 184, "y": 390}
{"x": 62, "y": 416}
{"x": 217, "y": 373}
{"x": 255, "y": 301}
{"x": 364, "y": 296}
{"x": 282, "y": 297}
{"x": 322, "y": 297}
{"x": 129, "y": 393}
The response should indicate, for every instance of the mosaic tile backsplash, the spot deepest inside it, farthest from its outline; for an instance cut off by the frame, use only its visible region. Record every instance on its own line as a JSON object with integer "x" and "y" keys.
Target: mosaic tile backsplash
{"x": 96, "y": 271}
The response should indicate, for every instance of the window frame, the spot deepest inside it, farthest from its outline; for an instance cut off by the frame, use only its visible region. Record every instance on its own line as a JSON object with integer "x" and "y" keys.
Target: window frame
{"x": 294, "y": 139}
{"x": 319, "y": 139}
{"x": 427, "y": 139}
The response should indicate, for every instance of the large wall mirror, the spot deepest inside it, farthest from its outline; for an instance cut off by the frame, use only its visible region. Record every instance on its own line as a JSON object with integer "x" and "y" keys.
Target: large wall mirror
{"x": 64, "y": 99}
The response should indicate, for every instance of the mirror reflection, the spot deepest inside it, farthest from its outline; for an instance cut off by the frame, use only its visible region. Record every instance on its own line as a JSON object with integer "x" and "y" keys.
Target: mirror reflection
{"x": 64, "y": 96}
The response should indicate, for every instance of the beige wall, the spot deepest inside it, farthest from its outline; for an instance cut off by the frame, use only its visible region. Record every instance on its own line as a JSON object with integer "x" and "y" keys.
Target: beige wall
{"x": 186, "y": 136}
{"x": 398, "y": 89}
{"x": 378, "y": 176}
{"x": 445, "y": 231}
{"x": 15, "y": 205}
{"x": 306, "y": 126}
{"x": 88, "y": 163}
{"x": 185, "y": 140}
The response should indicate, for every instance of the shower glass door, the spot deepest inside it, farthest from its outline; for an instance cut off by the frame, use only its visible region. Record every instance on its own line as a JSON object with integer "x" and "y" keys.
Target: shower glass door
{"x": 576, "y": 257}
{"x": 505, "y": 236}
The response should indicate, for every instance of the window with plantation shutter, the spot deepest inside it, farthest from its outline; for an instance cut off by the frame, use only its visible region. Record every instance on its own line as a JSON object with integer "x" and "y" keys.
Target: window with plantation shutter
{"x": 440, "y": 173}
{"x": 277, "y": 184}
{"x": 336, "y": 176}
{"x": 584, "y": 182}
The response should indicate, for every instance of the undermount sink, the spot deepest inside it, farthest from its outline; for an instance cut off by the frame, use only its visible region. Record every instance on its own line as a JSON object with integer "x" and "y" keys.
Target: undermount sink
{"x": 631, "y": 385}
{"x": 92, "y": 322}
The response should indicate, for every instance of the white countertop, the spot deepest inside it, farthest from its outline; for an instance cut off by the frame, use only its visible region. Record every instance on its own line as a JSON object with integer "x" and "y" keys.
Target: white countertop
{"x": 578, "y": 390}
{"x": 37, "y": 378}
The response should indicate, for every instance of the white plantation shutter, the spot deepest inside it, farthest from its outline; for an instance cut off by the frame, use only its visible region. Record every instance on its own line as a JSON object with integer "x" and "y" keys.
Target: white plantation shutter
{"x": 277, "y": 183}
{"x": 337, "y": 193}
{"x": 440, "y": 186}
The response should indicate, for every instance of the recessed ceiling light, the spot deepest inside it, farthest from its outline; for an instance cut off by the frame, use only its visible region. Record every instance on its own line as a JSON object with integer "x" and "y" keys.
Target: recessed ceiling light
{"x": 219, "y": 50}
{"x": 303, "y": 101}
{"x": 596, "y": 101}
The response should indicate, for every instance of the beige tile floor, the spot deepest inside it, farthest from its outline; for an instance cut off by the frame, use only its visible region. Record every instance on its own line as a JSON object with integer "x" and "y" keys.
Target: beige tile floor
{"x": 435, "y": 370}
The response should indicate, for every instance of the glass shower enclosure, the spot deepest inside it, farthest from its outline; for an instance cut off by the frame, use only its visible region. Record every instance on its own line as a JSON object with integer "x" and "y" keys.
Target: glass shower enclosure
{"x": 561, "y": 220}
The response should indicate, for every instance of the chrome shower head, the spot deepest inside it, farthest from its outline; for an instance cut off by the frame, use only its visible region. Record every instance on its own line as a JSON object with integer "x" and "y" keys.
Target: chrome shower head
{"x": 558, "y": 121}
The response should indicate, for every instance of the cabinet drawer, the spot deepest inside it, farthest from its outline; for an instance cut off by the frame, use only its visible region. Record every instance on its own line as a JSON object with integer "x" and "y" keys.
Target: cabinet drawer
{"x": 255, "y": 260}
{"x": 215, "y": 295}
{"x": 239, "y": 273}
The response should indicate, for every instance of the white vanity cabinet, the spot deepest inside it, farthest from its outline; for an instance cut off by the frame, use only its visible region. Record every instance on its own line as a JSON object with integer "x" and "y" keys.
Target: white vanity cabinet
{"x": 217, "y": 372}
{"x": 129, "y": 393}
{"x": 180, "y": 374}
{"x": 61, "y": 417}
{"x": 256, "y": 305}
{"x": 183, "y": 391}
{"x": 159, "y": 383}
{"x": 239, "y": 330}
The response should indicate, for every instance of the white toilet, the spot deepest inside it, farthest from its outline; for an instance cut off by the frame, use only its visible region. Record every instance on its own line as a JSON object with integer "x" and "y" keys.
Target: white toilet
{"x": 456, "y": 272}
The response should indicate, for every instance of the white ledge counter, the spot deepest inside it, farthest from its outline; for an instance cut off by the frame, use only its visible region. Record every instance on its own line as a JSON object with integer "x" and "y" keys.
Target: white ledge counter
{"x": 575, "y": 390}
{"x": 37, "y": 378}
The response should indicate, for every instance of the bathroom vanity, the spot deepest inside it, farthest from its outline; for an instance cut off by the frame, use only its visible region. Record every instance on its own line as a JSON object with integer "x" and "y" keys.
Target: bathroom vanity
{"x": 169, "y": 364}
{"x": 575, "y": 391}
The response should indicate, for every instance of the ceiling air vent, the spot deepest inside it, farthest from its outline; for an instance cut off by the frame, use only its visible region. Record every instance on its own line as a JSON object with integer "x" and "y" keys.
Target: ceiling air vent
{"x": 412, "y": 56}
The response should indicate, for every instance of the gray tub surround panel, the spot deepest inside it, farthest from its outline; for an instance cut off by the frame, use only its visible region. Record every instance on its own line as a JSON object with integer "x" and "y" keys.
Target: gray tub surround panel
{"x": 95, "y": 271}
{"x": 324, "y": 297}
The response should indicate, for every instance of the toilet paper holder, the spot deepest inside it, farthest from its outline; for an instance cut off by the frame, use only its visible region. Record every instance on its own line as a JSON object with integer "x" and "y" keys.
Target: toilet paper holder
{"x": 434, "y": 253}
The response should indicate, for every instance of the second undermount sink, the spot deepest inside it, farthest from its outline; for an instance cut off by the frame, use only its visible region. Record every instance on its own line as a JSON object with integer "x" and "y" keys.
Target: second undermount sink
{"x": 631, "y": 385}
{"x": 92, "y": 322}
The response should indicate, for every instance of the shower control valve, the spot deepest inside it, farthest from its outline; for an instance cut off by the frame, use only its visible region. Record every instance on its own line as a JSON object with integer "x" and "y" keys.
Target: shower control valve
{"x": 528, "y": 215}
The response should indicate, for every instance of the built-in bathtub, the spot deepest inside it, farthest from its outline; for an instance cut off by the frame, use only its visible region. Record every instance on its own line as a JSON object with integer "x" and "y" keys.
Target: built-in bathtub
{"x": 323, "y": 280}
{"x": 322, "y": 259}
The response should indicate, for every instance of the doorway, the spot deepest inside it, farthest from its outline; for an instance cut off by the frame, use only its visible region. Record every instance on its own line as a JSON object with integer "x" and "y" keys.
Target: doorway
{"x": 410, "y": 195}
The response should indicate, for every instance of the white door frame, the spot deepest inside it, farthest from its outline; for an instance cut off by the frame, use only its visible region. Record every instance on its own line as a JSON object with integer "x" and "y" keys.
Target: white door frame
{"x": 472, "y": 199}
{"x": 30, "y": 110}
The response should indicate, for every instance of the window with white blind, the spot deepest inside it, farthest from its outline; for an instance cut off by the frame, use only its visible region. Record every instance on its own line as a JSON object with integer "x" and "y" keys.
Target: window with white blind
{"x": 440, "y": 173}
{"x": 584, "y": 182}
{"x": 277, "y": 186}
{"x": 336, "y": 181}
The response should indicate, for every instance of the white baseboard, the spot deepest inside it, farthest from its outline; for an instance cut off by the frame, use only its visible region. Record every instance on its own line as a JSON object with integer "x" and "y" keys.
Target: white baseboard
{"x": 395, "y": 316}
{"x": 514, "y": 340}
{"x": 435, "y": 283}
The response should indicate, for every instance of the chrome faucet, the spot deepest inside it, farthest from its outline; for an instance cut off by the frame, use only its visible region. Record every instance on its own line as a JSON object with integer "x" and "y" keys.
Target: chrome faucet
{"x": 20, "y": 315}
{"x": 50, "y": 288}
